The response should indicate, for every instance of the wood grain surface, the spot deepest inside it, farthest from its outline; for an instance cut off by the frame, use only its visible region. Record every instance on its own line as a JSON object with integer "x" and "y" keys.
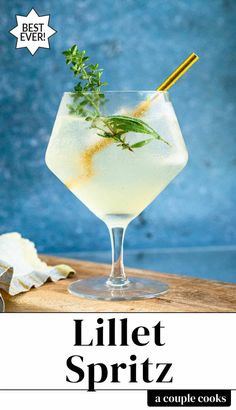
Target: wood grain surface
{"x": 186, "y": 294}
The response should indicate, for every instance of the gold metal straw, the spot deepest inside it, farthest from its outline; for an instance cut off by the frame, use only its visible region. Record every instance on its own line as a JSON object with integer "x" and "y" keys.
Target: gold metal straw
{"x": 144, "y": 106}
{"x": 178, "y": 72}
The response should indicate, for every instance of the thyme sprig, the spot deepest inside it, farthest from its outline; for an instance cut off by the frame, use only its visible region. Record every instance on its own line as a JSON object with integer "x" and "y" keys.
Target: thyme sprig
{"x": 87, "y": 96}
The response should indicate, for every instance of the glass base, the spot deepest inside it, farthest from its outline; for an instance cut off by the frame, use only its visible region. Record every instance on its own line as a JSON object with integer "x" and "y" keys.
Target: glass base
{"x": 137, "y": 288}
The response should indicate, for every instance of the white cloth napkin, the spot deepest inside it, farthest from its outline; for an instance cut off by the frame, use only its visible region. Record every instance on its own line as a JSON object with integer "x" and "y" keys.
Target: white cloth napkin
{"x": 20, "y": 267}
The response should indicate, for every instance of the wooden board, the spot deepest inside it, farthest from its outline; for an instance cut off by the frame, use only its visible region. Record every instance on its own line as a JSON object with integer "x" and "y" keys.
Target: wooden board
{"x": 186, "y": 294}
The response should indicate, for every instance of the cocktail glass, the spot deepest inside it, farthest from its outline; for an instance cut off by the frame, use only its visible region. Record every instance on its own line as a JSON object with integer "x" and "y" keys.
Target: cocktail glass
{"x": 115, "y": 184}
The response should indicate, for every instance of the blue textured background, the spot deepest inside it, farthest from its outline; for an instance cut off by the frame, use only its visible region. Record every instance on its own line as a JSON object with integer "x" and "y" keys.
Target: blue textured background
{"x": 138, "y": 43}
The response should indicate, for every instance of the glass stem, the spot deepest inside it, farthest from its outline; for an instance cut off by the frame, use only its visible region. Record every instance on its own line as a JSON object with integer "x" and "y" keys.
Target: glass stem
{"x": 117, "y": 276}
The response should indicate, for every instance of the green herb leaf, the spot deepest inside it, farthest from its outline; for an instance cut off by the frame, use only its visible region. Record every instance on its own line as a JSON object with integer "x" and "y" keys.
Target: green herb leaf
{"x": 129, "y": 124}
{"x": 142, "y": 143}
